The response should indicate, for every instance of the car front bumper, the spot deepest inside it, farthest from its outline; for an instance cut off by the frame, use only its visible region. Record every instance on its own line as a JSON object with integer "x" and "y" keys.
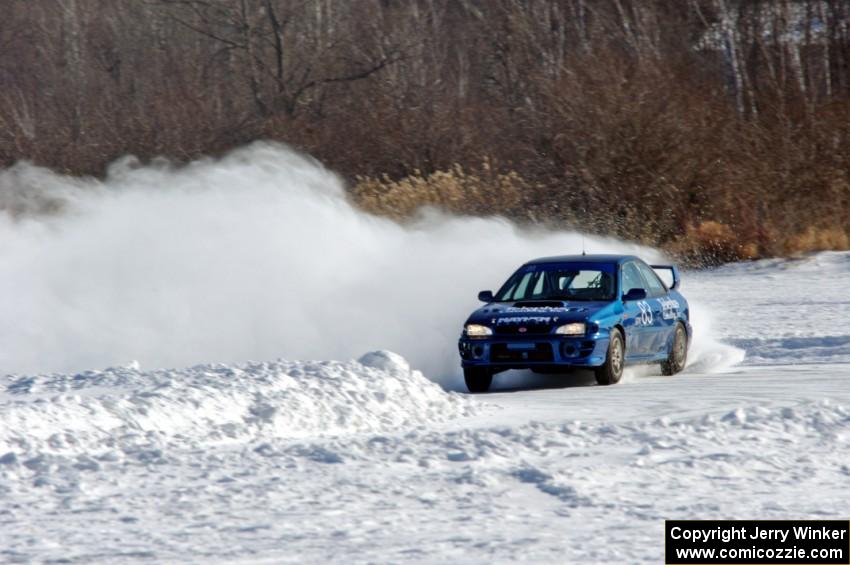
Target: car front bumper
{"x": 529, "y": 352}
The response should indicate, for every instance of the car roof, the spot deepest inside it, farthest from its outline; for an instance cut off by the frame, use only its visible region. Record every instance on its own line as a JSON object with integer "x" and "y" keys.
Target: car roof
{"x": 583, "y": 259}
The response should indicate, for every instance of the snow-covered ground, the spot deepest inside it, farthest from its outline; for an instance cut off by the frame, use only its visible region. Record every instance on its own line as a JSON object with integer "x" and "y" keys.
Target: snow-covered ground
{"x": 369, "y": 461}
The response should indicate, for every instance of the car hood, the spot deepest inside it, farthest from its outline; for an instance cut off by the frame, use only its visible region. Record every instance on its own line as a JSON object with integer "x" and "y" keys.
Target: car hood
{"x": 539, "y": 312}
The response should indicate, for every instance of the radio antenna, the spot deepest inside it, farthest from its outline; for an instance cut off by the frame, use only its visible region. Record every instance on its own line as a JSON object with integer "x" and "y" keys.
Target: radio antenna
{"x": 582, "y": 245}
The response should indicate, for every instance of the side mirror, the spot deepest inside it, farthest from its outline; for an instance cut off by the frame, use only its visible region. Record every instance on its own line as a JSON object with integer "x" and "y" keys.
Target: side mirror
{"x": 485, "y": 296}
{"x": 634, "y": 294}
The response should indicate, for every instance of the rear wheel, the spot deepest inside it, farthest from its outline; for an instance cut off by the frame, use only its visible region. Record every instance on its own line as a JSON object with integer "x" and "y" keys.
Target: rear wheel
{"x": 477, "y": 379}
{"x": 612, "y": 371}
{"x": 678, "y": 355}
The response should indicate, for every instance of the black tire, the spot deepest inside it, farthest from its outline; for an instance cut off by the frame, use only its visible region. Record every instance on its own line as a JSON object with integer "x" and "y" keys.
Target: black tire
{"x": 612, "y": 371}
{"x": 477, "y": 379}
{"x": 678, "y": 355}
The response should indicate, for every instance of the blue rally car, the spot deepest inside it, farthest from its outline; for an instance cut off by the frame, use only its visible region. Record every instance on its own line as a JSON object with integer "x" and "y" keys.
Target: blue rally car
{"x": 599, "y": 312}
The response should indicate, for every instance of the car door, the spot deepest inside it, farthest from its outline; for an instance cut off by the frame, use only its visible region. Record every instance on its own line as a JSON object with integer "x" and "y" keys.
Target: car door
{"x": 663, "y": 319}
{"x": 637, "y": 315}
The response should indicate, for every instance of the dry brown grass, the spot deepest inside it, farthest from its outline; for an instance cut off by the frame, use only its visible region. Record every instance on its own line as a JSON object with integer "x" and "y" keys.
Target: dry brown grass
{"x": 484, "y": 192}
{"x": 711, "y": 242}
{"x": 817, "y": 239}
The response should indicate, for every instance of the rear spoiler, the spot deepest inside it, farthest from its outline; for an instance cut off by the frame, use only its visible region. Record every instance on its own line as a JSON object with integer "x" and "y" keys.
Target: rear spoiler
{"x": 669, "y": 274}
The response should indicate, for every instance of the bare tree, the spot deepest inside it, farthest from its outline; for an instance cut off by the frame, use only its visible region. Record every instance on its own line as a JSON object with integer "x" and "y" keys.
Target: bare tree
{"x": 644, "y": 118}
{"x": 289, "y": 48}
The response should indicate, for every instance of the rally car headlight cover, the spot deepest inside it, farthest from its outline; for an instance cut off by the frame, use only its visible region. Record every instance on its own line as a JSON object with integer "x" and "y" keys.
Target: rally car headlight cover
{"x": 477, "y": 330}
{"x": 575, "y": 328}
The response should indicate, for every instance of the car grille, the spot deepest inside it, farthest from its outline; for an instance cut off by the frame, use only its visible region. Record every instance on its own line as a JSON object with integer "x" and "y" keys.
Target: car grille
{"x": 523, "y": 329}
{"x": 499, "y": 352}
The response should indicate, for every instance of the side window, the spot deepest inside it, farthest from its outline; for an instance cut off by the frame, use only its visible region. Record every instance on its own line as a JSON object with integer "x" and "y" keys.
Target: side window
{"x": 632, "y": 278}
{"x": 656, "y": 287}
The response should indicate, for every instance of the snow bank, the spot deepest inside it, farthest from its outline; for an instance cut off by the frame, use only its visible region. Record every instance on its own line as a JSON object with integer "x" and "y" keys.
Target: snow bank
{"x": 522, "y": 491}
{"x": 120, "y": 411}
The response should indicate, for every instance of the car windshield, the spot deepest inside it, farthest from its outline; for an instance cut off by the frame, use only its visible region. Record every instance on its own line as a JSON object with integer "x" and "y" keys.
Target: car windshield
{"x": 560, "y": 281}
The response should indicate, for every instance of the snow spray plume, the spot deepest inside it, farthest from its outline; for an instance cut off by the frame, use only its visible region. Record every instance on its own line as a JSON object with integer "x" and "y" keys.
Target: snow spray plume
{"x": 258, "y": 255}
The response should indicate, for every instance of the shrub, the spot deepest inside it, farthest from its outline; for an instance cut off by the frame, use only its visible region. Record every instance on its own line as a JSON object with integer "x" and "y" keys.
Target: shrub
{"x": 817, "y": 239}
{"x": 710, "y": 243}
{"x": 481, "y": 193}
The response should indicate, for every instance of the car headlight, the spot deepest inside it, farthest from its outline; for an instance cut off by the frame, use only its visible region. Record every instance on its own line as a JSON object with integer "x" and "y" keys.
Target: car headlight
{"x": 576, "y": 328}
{"x": 477, "y": 330}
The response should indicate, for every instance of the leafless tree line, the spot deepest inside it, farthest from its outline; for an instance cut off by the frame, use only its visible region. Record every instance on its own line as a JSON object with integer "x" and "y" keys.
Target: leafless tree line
{"x": 643, "y": 118}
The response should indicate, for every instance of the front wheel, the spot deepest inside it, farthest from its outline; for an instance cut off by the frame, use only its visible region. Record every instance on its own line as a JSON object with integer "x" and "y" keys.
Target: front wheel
{"x": 612, "y": 371}
{"x": 678, "y": 355}
{"x": 477, "y": 379}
